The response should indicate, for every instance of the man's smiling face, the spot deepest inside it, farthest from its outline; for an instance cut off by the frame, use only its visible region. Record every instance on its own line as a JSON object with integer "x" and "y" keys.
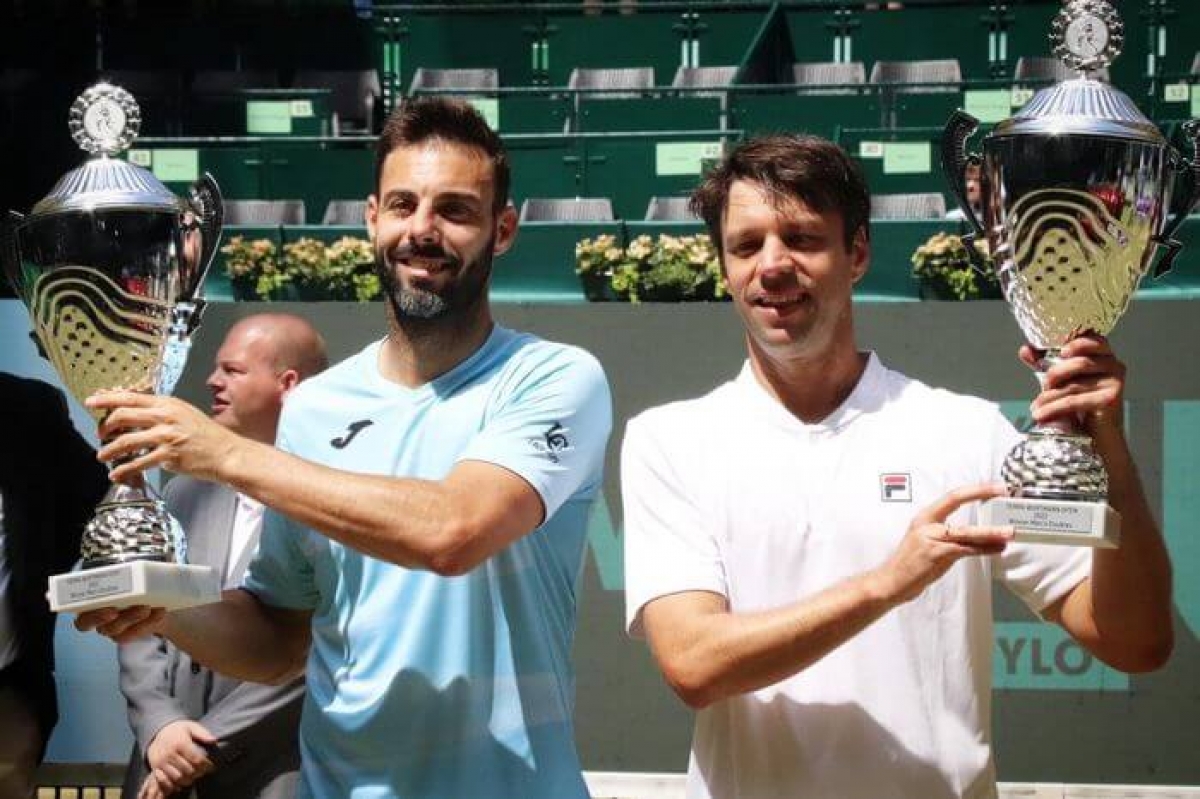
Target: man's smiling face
{"x": 434, "y": 228}
{"x": 789, "y": 268}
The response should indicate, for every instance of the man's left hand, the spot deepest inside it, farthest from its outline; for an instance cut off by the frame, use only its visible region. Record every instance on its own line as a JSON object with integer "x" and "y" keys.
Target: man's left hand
{"x": 1087, "y": 385}
{"x": 160, "y": 431}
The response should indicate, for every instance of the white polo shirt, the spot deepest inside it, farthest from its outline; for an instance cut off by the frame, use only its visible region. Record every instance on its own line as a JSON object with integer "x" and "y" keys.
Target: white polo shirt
{"x": 730, "y": 493}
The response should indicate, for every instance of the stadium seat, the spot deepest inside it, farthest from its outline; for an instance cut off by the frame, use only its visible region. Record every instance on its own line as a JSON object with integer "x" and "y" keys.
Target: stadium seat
{"x": 703, "y": 77}
{"x": 264, "y": 212}
{"x": 577, "y": 209}
{"x": 908, "y": 206}
{"x": 620, "y": 111}
{"x": 345, "y": 212}
{"x": 828, "y": 77}
{"x": 353, "y": 96}
{"x": 620, "y": 83}
{"x": 900, "y": 76}
{"x": 917, "y": 93}
{"x": 669, "y": 209}
{"x": 432, "y": 80}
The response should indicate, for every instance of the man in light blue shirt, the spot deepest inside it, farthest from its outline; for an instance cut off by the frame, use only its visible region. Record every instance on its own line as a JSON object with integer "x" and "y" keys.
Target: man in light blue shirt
{"x": 430, "y": 496}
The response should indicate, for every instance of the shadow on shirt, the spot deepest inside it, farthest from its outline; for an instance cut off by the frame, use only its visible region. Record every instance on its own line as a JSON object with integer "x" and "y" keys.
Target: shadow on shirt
{"x": 818, "y": 750}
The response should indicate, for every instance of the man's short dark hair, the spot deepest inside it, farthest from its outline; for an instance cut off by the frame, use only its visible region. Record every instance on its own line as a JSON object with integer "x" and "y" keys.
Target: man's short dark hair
{"x": 789, "y": 167}
{"x": 445, "y": 119}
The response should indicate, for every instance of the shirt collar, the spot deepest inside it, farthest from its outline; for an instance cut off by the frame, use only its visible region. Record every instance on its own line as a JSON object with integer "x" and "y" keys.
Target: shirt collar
{"x": 866, "y": 396}
{"x": 249, "y": 504}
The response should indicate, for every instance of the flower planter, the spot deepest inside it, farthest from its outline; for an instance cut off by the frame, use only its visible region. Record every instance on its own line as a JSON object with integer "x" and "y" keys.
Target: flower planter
{"x": 597, "y": 288}
{"x": 307, "y": 271}
{"x": 663, "y": 269}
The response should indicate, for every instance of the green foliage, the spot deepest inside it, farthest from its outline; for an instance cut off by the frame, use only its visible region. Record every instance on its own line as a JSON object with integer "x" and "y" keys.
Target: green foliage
{"x": 253, "y": 267}
{"x": 307, "y": 269}
{"x": 943, "y": 266}
{"x": 662, "y": 269}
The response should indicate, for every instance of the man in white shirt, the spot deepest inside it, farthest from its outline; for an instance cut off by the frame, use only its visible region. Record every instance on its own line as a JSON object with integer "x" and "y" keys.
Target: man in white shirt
{"x": 803, "y": 551}
{"x": 196, "y": 728}
{"x": 973, "y": 182}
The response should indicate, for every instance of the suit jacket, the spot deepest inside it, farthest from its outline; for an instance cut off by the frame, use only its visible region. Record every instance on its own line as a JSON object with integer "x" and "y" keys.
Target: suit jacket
{"x": 255, "y": 724}
{"x": 51, "y": 482}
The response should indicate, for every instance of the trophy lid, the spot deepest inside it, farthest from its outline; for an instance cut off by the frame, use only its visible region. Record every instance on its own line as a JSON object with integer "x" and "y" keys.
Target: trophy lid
{"x": 1081, "y": 106}
{"x": 104, "y": 121}
{"x": 1087, "y": 35}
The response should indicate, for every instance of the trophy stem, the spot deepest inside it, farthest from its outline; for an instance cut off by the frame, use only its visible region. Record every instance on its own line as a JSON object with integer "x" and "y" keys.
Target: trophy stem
{"x": 1055, "y": 460}
{"x": 131, "y": 523}
{"x": 1054, "y": 427}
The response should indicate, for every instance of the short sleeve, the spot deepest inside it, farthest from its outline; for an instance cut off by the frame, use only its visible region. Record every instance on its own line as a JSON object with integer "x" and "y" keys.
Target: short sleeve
{"x": 551, "y": 426}
{"x": 1038, "y": 574}
{"x": 669, "y": 544}
{"x": 281, "y": 571}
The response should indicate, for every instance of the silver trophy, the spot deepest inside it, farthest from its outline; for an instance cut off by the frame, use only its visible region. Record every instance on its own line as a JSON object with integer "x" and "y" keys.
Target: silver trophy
{"x": 110, "y": 265}
{"x": 1081, "y": 194}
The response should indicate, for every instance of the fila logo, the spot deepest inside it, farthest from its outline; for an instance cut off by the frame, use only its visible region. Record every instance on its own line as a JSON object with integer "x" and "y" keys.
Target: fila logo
{"x": 895, "y": 487}
{"x": 355, "y": 428}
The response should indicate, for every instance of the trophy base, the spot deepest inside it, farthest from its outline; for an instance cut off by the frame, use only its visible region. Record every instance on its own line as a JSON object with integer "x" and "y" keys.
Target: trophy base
{"x": 141, "y": 582}
{"x": 1052, "y": 521}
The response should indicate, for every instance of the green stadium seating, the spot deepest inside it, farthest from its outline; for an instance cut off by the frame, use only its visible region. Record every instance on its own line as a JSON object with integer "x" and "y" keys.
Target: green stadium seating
{"x": 787, "y": 112}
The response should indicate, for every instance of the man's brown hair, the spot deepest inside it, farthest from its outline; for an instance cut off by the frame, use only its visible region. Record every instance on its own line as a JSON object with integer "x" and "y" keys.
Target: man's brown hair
{"x": 789, "y": 167}
{"x": 445, "y": 119}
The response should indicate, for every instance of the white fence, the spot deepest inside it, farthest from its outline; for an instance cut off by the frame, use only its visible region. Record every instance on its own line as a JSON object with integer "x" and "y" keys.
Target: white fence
{"x": 623, "y": 785}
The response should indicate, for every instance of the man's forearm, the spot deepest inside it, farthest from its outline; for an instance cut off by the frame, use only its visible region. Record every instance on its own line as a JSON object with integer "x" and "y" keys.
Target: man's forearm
{"x": 721, "y": 654}
{"x": 242, "y": 638}
{"x": 774, "y": 645}
{"x": 1131, "y": 585}
{"x": 406, "y": 521}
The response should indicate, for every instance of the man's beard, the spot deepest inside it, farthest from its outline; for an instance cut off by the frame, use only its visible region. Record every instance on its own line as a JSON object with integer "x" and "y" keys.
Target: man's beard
{"x": 467, "y": 285}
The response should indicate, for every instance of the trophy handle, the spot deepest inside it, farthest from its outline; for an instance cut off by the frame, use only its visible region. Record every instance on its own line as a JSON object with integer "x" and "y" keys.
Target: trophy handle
{"x": 1184, "y": 204}
{"x": 200, "y": 231}
{"x": 955, "y": 160}
{"x": 205, "y": 201}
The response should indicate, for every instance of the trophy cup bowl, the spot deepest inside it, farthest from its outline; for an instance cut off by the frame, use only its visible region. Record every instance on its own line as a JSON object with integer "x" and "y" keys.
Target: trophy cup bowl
{"x": 1081, "y": 192}
{"x": 110, "y": 265}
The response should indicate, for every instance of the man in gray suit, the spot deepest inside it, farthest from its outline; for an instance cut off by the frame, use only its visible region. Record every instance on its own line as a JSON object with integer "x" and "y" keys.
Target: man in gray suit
{"x": 195, "y": 728}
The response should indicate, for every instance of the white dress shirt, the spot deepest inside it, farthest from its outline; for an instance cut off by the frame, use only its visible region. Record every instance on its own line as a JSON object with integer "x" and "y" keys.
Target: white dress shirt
{"x": 247, "y": 523}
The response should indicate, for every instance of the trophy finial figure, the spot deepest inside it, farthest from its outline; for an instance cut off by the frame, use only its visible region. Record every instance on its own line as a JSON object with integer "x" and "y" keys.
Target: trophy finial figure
{"x": 1087, "y": 34}
{"x": 105, "y": 120}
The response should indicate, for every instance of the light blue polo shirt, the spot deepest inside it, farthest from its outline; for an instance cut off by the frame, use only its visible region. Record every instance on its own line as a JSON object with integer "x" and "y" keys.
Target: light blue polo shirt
{"x": 442, "y": 687}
